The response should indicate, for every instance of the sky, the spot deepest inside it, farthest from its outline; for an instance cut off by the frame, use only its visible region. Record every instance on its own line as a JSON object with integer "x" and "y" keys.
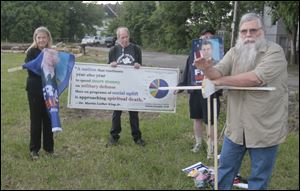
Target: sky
{"x": 105, "y": 2}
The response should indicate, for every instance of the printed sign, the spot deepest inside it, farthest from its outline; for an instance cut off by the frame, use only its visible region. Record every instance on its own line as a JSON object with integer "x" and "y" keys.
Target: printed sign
{"x": 100, "y": 86}
{"x": 210, "y": 49}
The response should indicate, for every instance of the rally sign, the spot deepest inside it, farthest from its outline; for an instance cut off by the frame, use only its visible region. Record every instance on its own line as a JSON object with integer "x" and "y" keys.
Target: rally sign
{"x": 100, "y": 86}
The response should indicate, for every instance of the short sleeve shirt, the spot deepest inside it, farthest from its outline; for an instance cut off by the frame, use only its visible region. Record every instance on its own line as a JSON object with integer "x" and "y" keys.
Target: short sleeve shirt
{"x": 258, "y": 118}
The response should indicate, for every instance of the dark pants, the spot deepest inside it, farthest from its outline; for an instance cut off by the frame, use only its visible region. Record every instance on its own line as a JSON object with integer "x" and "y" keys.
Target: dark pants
{"x": 39, "y": 122}
{"x": 198, "y": 106}
{"x": 134, "y": 123}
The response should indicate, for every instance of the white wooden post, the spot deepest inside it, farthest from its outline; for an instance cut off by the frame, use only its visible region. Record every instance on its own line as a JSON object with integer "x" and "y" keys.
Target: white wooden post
{"x": 208, "y": 129}
{"x": 215, "y": 142}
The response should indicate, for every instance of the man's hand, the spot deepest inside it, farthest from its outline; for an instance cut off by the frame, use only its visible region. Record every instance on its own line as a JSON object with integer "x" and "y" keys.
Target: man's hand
{"x": 137, "y": 65}
{"x": 202, "y": 63}
{"x": 217, "y": 82}
{"x": 113, "y": 64}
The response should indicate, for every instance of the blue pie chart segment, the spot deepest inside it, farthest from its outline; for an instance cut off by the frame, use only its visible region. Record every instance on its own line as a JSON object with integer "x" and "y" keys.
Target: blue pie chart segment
{"x": 155, "y": 92}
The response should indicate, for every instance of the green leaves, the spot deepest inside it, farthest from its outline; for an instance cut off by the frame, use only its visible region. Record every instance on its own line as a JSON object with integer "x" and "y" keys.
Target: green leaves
{"x": 67, "y": 20}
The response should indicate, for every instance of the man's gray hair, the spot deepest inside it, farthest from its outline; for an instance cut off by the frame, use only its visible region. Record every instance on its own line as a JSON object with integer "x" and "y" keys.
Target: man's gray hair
{"x": 250, "y": 17}
{"x": 122, "y": 28}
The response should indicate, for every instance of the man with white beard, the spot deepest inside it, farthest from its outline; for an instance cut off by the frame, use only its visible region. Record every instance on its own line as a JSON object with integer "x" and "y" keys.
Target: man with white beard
{"x": 256, "y": 120}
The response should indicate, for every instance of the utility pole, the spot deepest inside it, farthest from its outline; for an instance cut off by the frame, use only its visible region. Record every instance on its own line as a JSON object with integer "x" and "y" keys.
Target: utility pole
{"x": 233, "y": 23}
{"x": 111, "y": 10}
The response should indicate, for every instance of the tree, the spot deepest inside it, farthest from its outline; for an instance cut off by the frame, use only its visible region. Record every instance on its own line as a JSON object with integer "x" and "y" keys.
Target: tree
{"x": 134, "y": 15}
{"x": 160, "y": 26}
{"x": 211, "y": 14}
{"x": 170, "y": 21}
{"x": 68, "y": 20}
{"x": 288, "y": 11}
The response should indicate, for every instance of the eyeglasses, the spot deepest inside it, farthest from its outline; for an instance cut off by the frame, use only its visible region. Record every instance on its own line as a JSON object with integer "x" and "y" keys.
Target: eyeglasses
{"x": 251, "y": 31}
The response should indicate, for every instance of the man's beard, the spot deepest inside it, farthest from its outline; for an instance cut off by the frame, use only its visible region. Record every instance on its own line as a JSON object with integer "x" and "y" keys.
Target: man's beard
{"x": 246, "y": 53}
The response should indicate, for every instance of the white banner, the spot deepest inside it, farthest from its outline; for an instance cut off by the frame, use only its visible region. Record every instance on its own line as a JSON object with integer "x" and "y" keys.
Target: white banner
{"x": 100, "y": 86}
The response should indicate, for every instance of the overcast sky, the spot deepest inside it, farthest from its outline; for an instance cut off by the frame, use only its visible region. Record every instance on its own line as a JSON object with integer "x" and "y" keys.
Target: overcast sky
{"x": 105, "y": 2}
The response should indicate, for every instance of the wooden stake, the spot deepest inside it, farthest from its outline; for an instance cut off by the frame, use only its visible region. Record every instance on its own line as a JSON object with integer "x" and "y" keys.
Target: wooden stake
{"x": 215, "y": 143}
{"x": 208, "y": 129}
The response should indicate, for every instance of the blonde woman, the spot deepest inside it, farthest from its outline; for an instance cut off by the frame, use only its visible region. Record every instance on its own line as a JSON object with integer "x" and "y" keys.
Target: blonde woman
{"x": 39, "y": 118}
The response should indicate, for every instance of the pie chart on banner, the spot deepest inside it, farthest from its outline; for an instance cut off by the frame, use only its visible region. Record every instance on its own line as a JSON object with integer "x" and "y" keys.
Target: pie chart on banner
{"x": 155, "y": 92}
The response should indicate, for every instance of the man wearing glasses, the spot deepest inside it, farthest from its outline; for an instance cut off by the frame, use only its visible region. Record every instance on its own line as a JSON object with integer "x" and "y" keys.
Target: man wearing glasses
{"x": 256, "y": 120}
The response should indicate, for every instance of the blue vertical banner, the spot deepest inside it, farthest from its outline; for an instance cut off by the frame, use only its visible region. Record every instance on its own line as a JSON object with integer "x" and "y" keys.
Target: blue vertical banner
{"x": 55, "y": 69}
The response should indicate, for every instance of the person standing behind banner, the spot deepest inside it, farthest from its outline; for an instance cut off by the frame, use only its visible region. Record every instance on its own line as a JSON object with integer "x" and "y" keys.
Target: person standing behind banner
{"x": 39, "y": 118}
{"x": 198, "y": 104}
{"x": 256, "y": 120}
{"x": 125, "y": 53}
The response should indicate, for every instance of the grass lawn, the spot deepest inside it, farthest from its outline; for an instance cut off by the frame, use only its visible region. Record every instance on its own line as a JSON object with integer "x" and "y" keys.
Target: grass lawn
{"x": 83, "y": 162}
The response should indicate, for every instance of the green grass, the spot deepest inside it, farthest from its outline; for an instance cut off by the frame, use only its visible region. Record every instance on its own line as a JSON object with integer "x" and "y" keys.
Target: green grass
{"x": 83, "y": 161}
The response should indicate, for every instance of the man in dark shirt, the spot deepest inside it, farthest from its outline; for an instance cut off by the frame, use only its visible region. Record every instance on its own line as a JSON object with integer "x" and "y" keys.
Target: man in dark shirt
{"x": 197, "y": 104}
{"x": 125, "y": 53}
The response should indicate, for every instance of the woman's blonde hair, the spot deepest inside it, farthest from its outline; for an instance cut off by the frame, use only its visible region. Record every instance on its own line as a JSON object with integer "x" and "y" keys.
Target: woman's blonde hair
{"x": 41, "y": 30}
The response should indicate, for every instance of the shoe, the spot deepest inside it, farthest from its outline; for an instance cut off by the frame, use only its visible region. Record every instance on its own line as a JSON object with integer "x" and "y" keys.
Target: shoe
{"x": 140, "y": 142}
{"x": 239, "y": 179}
{"x": 34, "y": 155}
{"x": 112, "y": 142}
{"x": 196, "y": 148}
